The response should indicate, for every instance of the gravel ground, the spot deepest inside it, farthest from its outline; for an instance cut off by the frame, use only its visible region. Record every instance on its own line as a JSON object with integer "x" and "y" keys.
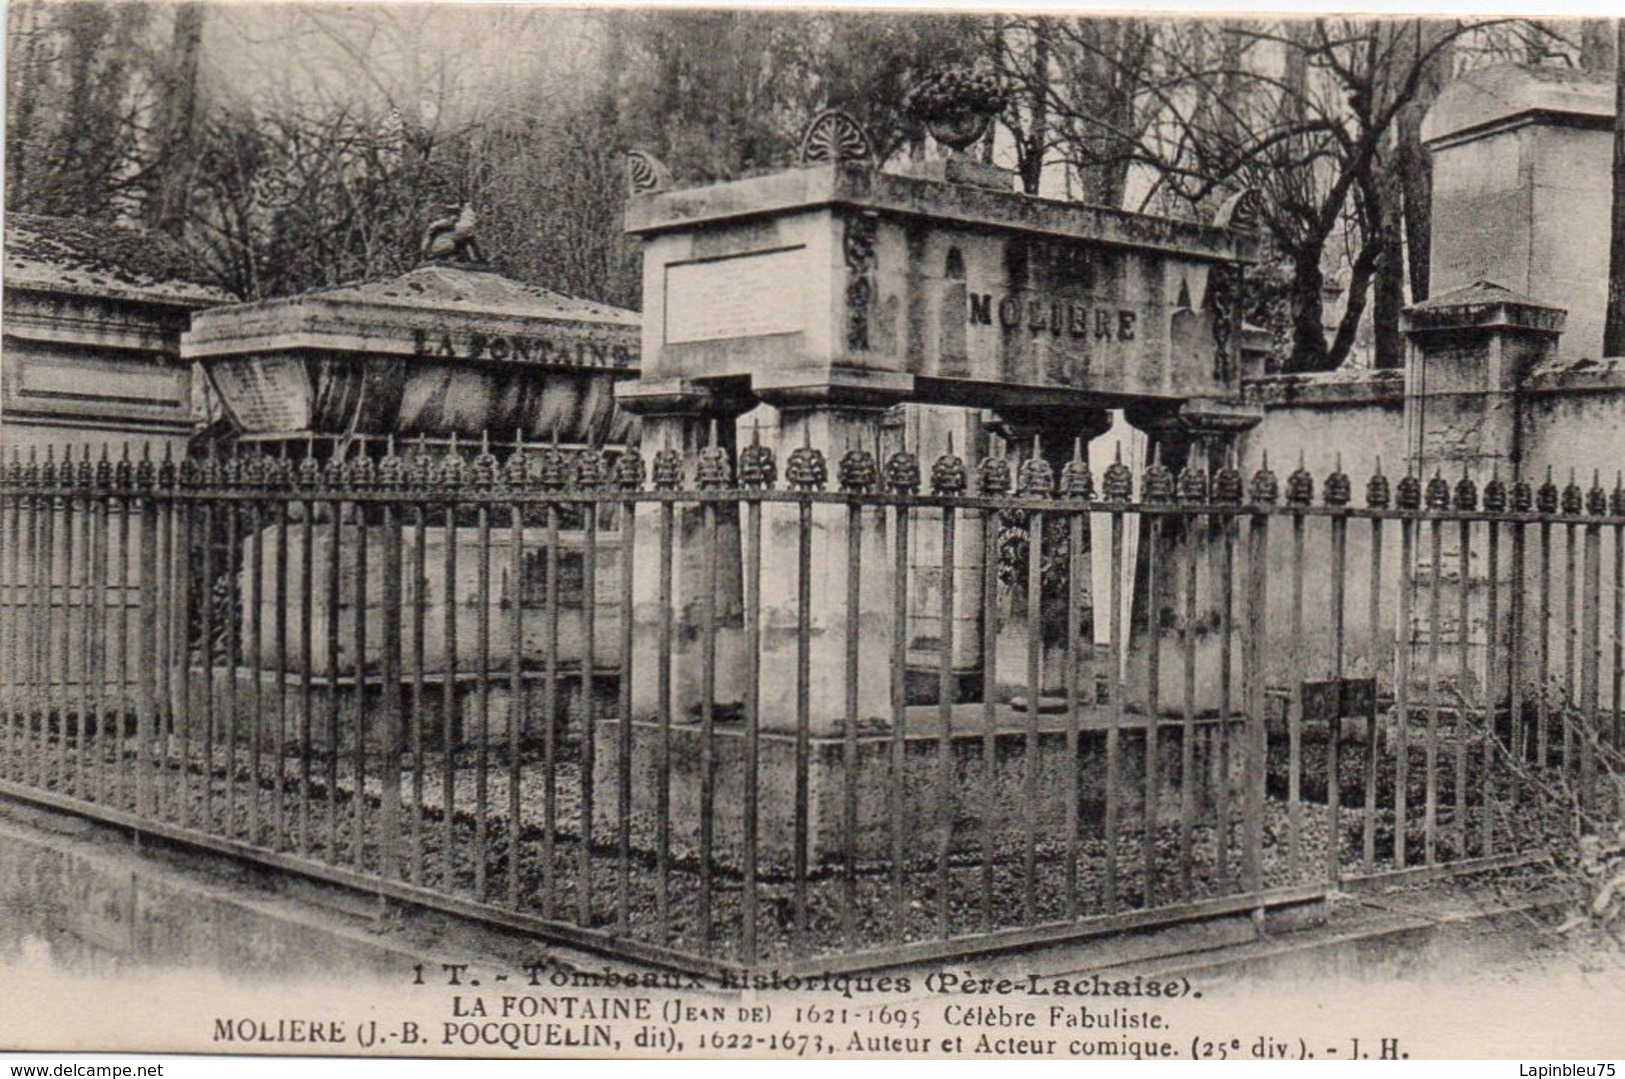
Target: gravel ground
{"x": 842, "y": 913}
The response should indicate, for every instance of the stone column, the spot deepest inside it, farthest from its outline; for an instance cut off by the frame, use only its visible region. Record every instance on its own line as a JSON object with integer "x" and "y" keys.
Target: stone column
{"x": 1057, "y": 432}
{"x": 683, "y": 418}
{"x": 1191, "y": 442}
{"x": 1470, "y": 350}
{"x": 837, "y": 414}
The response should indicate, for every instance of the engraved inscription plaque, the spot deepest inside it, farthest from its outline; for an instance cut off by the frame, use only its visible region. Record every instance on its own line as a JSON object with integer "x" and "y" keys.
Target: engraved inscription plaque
{"x": 265, "y": 394}
{"x": 742, "y": 296}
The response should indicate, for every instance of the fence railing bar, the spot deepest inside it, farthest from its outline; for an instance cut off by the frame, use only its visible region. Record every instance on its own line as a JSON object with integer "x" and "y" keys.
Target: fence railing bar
{"x": 482, "y": 699}
{"x": 1435, "y": 577}
{"x": 450, "y": 729}
{"x": 1076, "y": 567}
{"x": 420, "y": 609}
{"x": 1464, "y": 695}
{"x": 1490, "y": 703}
{"x": 332, "y": 629}
{"x": 279, "y": 661}
{"x": 708, "y": 694}
{"x": 1402, "y": 690}
{"x": 307, "y": 686}
{"x": 1381, "y": 651}
{"x": 389, "y": 750}
{"x": 1035, "y": 661}
{"x": 663, "y": 718}
{"x": 1334, "y": 723}
{"x": 1153, "y": 708}
{"x": 802, "y": 825}
{"x": 1114, "y": 749}
{"x": 1571, "y": 643}
{"x": 84, "y": 509}
{"x": 752, "y": 542}
{"x": 589, "y": 709}
{"x": 1187, "y": 732}
{"x": 1542, "y": 695}
{"x": 1223, "y": 821}
{"x": 101, "y": 699}
{"x": 234, "y": 594}
{"x": 358, "y": 798}
{"x": 1295, "y": 714}
{"x": 1590, "y": 665}
{"x": 899, "y": 719}
{"x": 1619, "y": 635}
{"x": 849, "y": 727}
{"x": 1519, "y": 631}
{"x": 147, "y": 723}
{"x": 988, "y": 802}
{"x": 947, "y": 807}
{"x": 516, "y": 701}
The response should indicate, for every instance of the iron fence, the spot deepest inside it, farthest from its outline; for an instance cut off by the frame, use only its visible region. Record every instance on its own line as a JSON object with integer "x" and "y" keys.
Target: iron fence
{"x": 720, "y": 723}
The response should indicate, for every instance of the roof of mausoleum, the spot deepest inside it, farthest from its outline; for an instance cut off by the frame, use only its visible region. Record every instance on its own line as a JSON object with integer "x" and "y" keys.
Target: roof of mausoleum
{"x": 468, "y": 288}
{"x": 99, "y": 258}
{"x": 1508, "y": 94}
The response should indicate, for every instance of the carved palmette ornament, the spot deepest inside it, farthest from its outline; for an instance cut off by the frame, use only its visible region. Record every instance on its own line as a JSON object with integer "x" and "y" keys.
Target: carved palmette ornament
{"x": 834, "y": 136}
{"x": 645, "y": 174}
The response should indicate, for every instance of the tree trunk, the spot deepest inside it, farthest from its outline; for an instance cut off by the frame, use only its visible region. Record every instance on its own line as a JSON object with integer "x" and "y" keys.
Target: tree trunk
{"x": 1414, "y": 167}
{"x": 178, "y": 121}
{"x": 1308, "y": 311}
{"x": 1032, "y": 158}
{"x": 1388, "y": 300}
{"x": 1597, "y": 46}
{"x": 1613, "y": 337}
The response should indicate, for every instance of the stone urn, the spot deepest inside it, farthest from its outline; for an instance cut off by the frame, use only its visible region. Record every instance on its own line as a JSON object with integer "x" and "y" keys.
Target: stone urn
{"x": 956, "y": 105}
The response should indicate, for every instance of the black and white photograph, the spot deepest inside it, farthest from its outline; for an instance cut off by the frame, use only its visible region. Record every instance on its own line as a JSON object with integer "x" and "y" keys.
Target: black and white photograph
{"x": 537, "y": 531}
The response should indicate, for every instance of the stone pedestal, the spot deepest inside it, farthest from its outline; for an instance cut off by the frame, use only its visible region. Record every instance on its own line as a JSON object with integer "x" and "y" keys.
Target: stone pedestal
{"x": 1057, "y": 433}
{"x": 1176, "y": 656}
{"x": 680, "y": 419}
{"x": 1470, "y": 351}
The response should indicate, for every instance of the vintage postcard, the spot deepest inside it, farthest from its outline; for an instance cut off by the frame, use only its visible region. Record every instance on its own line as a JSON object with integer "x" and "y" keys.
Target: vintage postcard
{"x": 531, "y": 531}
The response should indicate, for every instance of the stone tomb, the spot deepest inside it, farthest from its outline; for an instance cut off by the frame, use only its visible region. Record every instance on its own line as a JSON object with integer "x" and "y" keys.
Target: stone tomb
{"x": 807, "y": 304}
{"x": 446, "y": 351}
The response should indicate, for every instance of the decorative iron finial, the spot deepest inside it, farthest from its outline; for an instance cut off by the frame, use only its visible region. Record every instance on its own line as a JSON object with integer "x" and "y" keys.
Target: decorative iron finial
{"x": 167, "y": 473}
{"x": 807, "y": 470}
{"x": 834, "y": 136}
{"x": 590, "y": 470}
{"x": 1193, "y": 482}
{"x": 1616, "y": 502}
{"x": 668, "y": 468}
{"x": 1228, "y": 486}
{"x": 104, "y": 468}
{"x": 1495, "y": 492}
{"x": 516, "y": 469}
{"x": 309, "y": 472}
{"x": 1076, "y": 480}
{"x": 391, "y": 469}
{"x": 993, "y": 475}
{"x": 146, "y": 475}
{"x": 359, "y": 473}
{"x": 1117, "y": 485}
{"x": 858, "y": 472}
{"x": 1377, "y": 493}
{"x": 1410, "y": 490}
{"x": 1573, "y": 497}
{"x": 1158, "y": 484}
{"x": 645, "y": 174}
{"x": 757, "y": 468}
{"x": 1339, "y": 489}
{"x": 1300, "y": 485}
{"x": 1466, "y": 496}
{"x": 1546, "y": 496}
{"x": 85, "y": 475}
{"x": 1523, "y": 495}
{"x": 714, "y": 470}
{"x": 1596, "y": 498}
{"x": 903, "y": 472}
{"x": 629, "y": 470}
{"x": 1035, "y": 477}
{"x": 1438, "y": 491}
{"x": 948, "y": 476}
